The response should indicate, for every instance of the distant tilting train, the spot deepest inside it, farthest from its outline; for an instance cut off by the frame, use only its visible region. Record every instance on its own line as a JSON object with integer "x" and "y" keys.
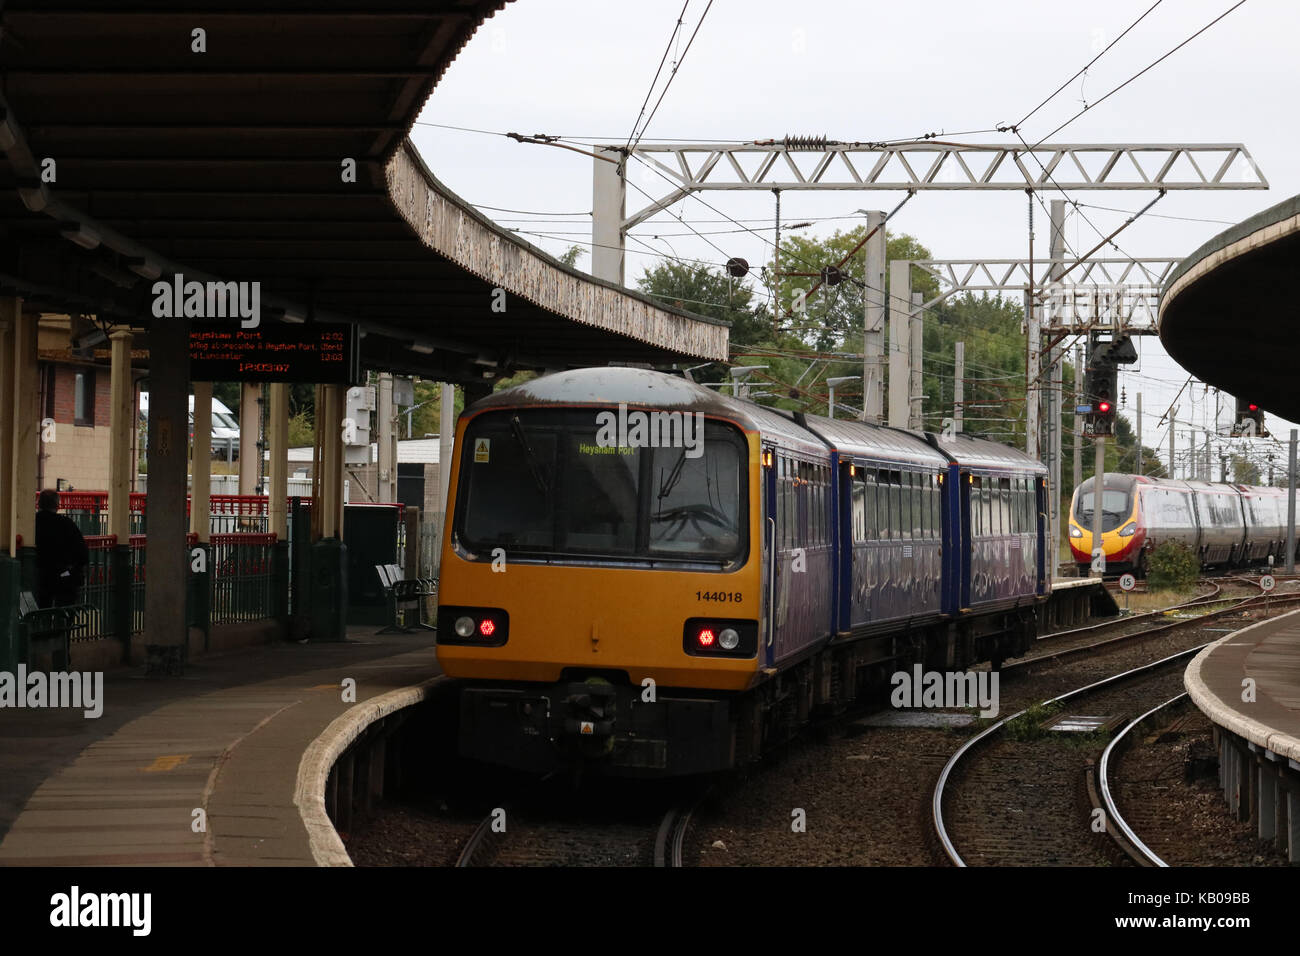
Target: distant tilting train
{"x": 1223, "y": 524}
{"x": 646, "y": 577}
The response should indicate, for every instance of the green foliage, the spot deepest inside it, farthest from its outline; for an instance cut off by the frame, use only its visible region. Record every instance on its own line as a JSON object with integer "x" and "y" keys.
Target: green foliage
{"x": 1172, "y": 566}
{"x": 572, "y": 255}
{"x": 1028, "y": 726}
{"x": 1245, "y": 471}
{"x": 302, "y": 432}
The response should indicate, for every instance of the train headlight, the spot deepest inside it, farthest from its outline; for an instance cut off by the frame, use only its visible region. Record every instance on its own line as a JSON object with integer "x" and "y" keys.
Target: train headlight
{"x": 1075, "y": 532}
{"x": 464, "y": 627}
{"x": 477, "y": 626}
{"x": 1128, "y": 530}
{"x": 729, "y": 639}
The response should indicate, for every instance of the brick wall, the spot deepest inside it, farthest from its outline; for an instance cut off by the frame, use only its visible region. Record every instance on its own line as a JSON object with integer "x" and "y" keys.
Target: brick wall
{"x": 79, "y": 453}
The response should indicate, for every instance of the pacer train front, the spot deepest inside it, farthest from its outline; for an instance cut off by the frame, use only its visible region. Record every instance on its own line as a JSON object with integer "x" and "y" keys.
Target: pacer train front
{"x": 598, "y": 599}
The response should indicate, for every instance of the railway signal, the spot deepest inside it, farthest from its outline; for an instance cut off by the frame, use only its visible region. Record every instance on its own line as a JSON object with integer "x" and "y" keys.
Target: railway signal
{"x": 1250, "y": 420}
{"x": 1101, "y": 382}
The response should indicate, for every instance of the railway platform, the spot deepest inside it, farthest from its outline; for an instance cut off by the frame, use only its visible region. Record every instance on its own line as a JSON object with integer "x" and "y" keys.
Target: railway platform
{"x": 225, "y": 766}
{"x": 1248, "y": 684}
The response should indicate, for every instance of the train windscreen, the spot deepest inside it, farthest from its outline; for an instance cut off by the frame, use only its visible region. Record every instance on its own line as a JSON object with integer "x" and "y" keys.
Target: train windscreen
{"x": 586, "y": 483}
{"x": 1116, "y": 506}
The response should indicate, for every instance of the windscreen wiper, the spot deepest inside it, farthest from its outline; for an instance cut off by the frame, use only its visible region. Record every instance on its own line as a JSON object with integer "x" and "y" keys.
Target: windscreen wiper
{"x": 534, "y": 466}
{"x": 668, "y": 484}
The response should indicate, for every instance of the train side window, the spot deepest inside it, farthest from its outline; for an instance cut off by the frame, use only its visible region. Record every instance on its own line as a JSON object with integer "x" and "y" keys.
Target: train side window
{"x": 858, "y": 503}
{"x": 899, "y": 524}
{"x": 922, "y": 518}
{"x": 937, "y": 488}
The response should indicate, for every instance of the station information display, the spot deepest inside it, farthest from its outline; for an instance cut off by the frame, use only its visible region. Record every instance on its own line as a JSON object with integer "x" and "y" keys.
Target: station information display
{"x": 323, "y": 353}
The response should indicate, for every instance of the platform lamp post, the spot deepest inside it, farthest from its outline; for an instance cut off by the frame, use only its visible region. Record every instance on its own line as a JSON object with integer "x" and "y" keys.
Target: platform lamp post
{"x": 832, "y": 382}
{"x": 736, "y": 383}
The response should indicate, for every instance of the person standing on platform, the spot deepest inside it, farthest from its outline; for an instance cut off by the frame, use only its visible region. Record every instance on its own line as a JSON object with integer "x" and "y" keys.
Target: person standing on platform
{"x": 61, "y": 554}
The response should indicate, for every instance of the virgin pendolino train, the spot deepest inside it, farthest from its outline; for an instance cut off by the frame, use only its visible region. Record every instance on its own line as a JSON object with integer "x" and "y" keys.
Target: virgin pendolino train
{"x": 650, "y": 578}
{"x": 1224, "y": 525}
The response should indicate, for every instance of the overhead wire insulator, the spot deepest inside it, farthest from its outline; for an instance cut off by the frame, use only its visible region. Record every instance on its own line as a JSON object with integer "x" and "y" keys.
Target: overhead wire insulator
{"x": 805, "y": 142}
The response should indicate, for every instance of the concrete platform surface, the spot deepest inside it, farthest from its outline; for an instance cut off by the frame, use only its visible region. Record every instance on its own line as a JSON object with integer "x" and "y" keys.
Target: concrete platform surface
{"x": 1269, "y": 654}
{"x": 226, "y": 739}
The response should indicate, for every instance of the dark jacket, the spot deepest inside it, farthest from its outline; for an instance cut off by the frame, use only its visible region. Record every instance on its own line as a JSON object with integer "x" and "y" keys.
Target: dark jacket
{"x": 61, "y": 559}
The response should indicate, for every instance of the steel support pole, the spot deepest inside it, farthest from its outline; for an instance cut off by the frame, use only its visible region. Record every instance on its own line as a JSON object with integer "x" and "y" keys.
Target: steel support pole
{"x": 916, "y": 363}
{"x": 1172, "y": 440}
{"x": 24, "y": 429}
{"x": 958, "y": 386}
{"x": 900, "y": 308}
{"x": 1033, "y": 369}
{"x": 1055, "y": 413}
{"x": 1098, "y": 498}
{"x": 1077, "y": 472}
{"x": 1290, "y": 506}
{"x": 873, "y": 341}
{"x": 1138, "y": 469}
{"x": 608, "y": 205}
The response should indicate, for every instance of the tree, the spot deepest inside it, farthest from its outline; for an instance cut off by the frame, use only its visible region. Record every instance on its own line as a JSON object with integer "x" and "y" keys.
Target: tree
{"x": 832, "y": 317}
{"x": 572, "y": 255}
{"x": 1245, "y": 471}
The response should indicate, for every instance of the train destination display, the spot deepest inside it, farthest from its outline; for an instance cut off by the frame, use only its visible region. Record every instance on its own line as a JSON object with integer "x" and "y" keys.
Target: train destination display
{"x": 324, "y": 353}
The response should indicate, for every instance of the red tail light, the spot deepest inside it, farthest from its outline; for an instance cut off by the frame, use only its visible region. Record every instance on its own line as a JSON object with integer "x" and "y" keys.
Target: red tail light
{"x": 706, "y": 637}
{"x": 487, "y": 627}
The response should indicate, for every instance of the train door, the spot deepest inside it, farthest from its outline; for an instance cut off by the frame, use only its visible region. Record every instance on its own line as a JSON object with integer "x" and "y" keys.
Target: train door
{"x": 768, "y": 638}
{"x": 1046, "y": 552}
{"x": 966, "y": 546}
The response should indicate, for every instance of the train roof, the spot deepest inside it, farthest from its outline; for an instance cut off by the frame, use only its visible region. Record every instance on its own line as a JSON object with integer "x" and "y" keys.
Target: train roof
{"x": 859, "y": 439}
{"x": 811, "y": 433}
{"x": 973, "y": 452}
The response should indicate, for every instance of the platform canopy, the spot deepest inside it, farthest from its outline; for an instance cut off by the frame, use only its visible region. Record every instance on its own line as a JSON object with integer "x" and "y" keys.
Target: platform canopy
{"x": 143, "y": 138}
{"x": 1228, "y": 313}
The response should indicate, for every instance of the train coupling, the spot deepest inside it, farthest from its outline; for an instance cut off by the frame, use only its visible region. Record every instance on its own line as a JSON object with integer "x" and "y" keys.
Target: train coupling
{"x": 589, "y": 710}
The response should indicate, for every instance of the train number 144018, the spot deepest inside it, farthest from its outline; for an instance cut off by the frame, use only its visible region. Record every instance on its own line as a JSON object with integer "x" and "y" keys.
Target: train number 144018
{"x": 732, "y": 596}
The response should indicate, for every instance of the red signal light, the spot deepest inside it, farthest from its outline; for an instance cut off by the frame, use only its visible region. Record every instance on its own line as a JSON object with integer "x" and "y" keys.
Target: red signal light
{"x": 706, "y": 637}
{"x": 1253, "y": 408}
{"x": 487, "y": 627}
{"x": 1103, "y": 407}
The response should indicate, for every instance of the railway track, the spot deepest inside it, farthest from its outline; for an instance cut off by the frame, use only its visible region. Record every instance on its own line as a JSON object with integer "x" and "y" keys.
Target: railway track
{"x": 1012, "y": 795}
{"x": 1082, "y": 640}
{"x": 1117, "y": 826}
{"x": 506, "y": 839}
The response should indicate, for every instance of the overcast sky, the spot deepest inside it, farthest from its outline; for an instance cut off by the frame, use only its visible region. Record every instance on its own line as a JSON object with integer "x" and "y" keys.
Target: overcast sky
{"x": 874, "y": 71}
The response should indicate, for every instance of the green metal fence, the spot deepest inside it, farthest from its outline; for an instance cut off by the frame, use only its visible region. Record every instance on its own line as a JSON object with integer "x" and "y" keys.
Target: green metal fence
{"x": 242, "y": 573}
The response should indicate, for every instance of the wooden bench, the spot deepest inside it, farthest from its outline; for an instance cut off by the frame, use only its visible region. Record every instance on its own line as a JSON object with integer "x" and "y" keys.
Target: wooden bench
{"x": 405, "y": 594}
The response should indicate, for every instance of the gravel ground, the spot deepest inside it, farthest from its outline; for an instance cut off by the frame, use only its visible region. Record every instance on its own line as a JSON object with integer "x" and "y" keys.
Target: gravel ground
{"x": 865, "y": 793}
{"x": 1185, "y": 823}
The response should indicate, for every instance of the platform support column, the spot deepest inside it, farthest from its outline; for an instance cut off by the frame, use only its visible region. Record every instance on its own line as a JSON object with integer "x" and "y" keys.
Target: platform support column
{"x": 166, "y": 558}
{"x": 277, "y": 508}
{"x": 1293, "y": 828}
{"x": 121, "y": 440}
{"x": 250, "y": 426}
{"x": 201, "y": 465}
{"x": 1267, "y": 806}
{"x": 9, "y": 313}
{"x": 1290, "y": 506}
